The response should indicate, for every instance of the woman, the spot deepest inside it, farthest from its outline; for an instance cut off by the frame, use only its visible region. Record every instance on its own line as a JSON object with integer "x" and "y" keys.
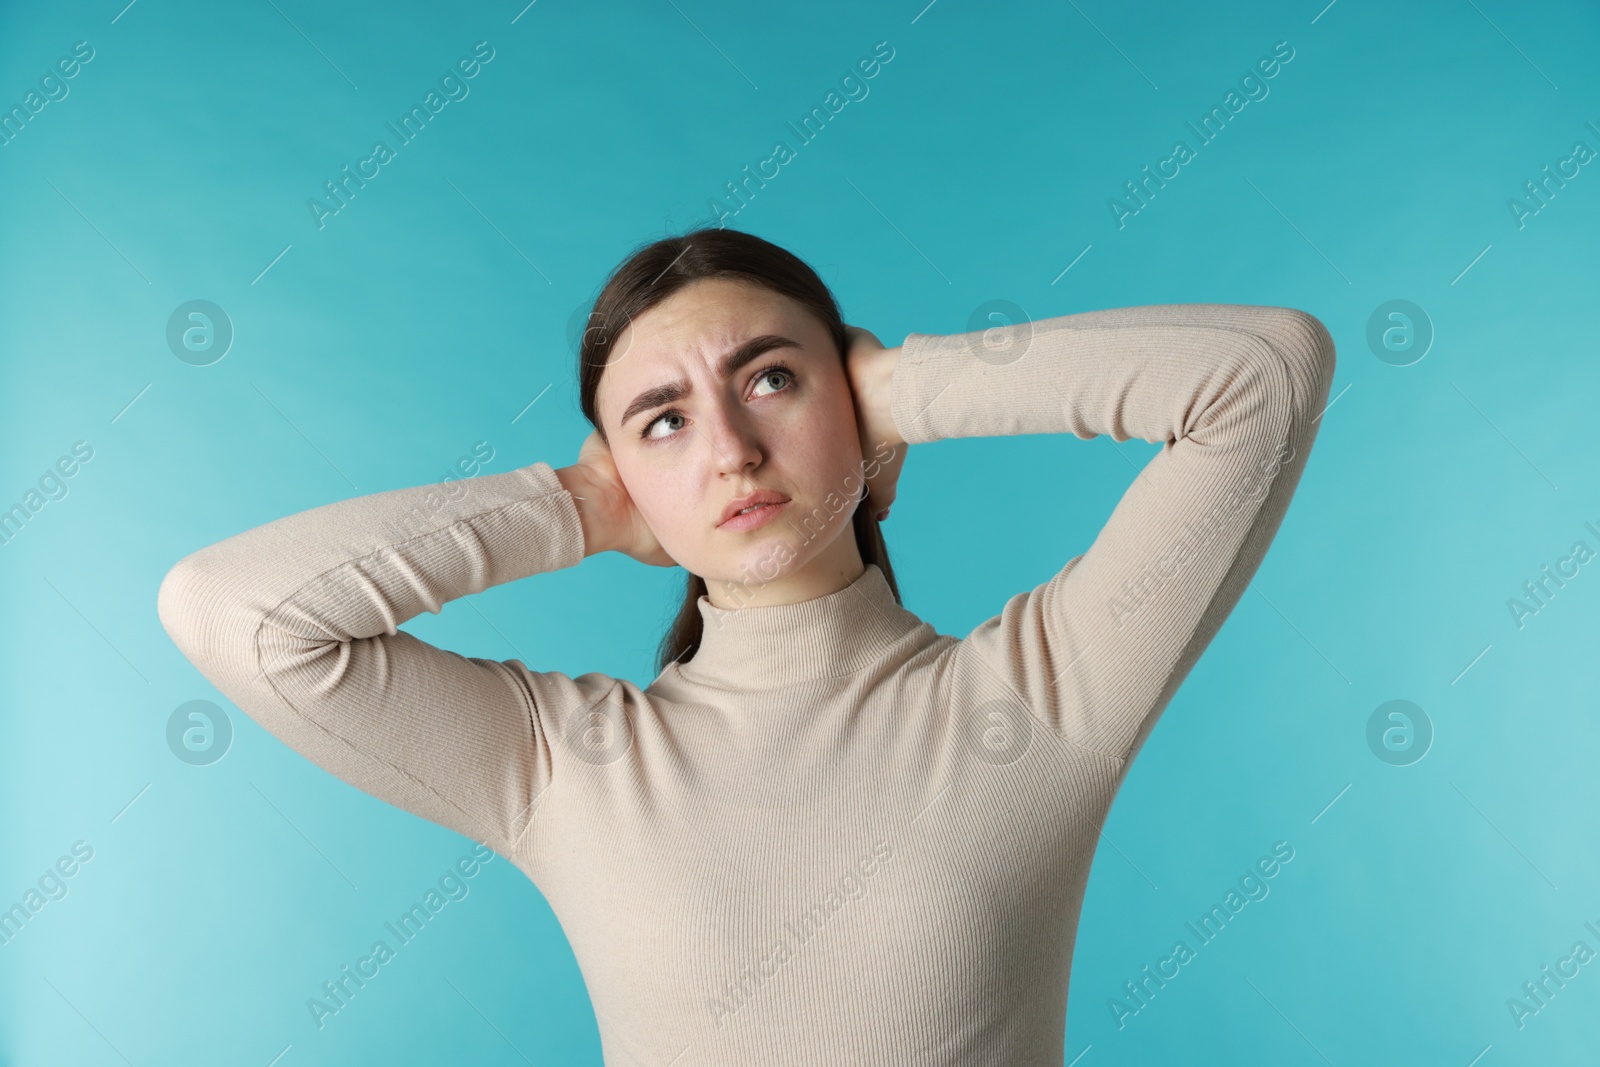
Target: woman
{"x": 824, "y": 833}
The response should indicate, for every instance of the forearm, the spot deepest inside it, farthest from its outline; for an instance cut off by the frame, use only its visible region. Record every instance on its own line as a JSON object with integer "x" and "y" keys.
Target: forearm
{"x": 1151, "y": 372}
{"x": 360, "y": 567}
{"x": 1233, "y": 393}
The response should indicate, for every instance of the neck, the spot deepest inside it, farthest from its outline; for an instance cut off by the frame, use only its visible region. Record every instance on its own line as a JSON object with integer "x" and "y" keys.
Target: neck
{"x": 757, "y": 587}
{"x": 825, "y": 637}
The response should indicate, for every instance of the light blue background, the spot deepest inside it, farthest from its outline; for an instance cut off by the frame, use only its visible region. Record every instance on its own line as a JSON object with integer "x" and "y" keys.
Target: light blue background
{"x": 428, "y": 314}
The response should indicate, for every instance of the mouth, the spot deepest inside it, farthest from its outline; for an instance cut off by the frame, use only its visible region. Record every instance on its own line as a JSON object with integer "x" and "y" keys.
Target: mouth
{"x": 751, "y": 511}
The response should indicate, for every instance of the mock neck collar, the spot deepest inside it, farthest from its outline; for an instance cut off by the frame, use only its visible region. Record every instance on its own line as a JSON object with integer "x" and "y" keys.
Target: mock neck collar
{"x": 830, "y": 635}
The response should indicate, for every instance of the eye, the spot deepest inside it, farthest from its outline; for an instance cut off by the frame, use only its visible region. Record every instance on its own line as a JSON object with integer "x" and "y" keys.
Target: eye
{"x": 778, "y": 370}
{"x": 781, "y": 372}
{"x": 664, "y": 415}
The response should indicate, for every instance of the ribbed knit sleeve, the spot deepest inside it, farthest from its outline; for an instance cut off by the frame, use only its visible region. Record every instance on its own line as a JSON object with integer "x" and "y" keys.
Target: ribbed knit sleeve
{"x": 1233, "y": 393}
{"x": 296, "y": 622}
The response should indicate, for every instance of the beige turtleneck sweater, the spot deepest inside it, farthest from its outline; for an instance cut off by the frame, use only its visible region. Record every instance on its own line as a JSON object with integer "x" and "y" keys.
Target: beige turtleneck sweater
{"x": 834, "y": 836}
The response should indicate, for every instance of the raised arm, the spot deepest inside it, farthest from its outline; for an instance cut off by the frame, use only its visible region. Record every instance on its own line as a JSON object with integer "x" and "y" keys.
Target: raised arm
{"x": 296, "y": 622}
{"x": 1232, "y": 393}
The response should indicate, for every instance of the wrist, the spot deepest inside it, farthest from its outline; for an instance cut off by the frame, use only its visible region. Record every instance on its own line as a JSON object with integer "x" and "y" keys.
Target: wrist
{"x": 586, "y": 497}
{"x": 883, "y": 395}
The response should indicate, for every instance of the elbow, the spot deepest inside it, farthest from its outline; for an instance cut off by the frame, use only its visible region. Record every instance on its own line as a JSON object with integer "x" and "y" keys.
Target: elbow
{"x": 212, "y": 622}
{"x": 199, "y": 609}
{"x": 1313, "y": 343}
{"x": 1306, "y": 348}
{"x": 179, "y": 601}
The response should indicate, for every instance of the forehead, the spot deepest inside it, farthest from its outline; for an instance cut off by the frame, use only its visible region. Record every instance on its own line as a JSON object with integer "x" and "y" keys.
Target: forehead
{"x": 697, "y": 325}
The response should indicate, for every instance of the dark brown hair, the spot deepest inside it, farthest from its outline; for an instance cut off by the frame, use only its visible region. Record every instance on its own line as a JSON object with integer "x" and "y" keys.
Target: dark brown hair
{"x": 652, "y": 273}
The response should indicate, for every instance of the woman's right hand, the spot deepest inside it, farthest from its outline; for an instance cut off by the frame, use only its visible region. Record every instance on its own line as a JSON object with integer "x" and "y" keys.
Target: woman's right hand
{"x": 611, "y": 520}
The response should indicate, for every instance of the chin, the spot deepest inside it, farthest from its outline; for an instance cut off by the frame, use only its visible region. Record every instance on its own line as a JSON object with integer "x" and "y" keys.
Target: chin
{"x": 763, "y": 561}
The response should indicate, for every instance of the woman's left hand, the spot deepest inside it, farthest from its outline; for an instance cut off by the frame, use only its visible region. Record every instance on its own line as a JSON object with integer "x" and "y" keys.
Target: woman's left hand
{"x": 870, "y": 369}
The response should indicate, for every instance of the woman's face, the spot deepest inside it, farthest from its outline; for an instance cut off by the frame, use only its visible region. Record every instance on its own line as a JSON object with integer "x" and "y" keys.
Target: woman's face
{"x": 757, "y": 399}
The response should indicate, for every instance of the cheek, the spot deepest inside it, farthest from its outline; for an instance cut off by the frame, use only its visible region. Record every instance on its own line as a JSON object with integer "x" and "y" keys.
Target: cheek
{"x": 830, "y": 439}
{"x": 668, "y": 502}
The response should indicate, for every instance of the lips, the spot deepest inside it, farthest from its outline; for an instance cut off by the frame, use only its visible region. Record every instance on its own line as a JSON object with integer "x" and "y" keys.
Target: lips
{"x": 764, "y": 496}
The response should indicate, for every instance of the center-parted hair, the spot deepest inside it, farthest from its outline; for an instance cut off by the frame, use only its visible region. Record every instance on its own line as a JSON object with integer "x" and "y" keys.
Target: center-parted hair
{"x": 653, "y": 273}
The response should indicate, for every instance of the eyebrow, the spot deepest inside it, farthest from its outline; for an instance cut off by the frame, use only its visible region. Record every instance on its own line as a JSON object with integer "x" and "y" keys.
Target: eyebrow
{"x": 730, "y": 364}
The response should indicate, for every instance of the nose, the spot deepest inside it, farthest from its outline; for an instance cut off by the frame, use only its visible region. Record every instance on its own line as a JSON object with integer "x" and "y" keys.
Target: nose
{"x": 735, "y": 444}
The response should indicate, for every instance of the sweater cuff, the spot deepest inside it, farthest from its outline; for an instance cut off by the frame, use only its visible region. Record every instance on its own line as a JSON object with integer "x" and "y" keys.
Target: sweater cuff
{"x": 566, "y": 547}
{"x": 916, "y": 384}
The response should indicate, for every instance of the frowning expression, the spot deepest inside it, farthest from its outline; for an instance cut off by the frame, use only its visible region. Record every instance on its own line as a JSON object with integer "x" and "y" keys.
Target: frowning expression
{"x": 723, "y": 390}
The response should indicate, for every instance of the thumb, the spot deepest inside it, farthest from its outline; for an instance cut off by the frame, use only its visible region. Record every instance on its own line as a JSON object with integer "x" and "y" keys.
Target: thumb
{"x": 880, "y": 498}
{"x": 883, "y": 483}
